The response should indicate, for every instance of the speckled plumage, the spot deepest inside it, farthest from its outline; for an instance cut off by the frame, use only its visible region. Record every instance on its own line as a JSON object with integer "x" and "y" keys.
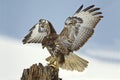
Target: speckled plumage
{"x": 76, "y": 32}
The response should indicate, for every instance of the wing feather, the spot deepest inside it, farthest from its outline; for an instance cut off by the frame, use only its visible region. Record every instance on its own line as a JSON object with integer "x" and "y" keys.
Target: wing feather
{"x": 90, "y": 16}
{"x": 88, "y": 8}
{"x": 81, "y": 26}
{"x": 36, "y": 34}
{"x": 82, "y": 37}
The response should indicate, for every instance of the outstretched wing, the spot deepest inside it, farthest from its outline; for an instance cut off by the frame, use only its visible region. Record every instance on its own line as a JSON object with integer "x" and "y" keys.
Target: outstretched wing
{"x": 38, "y": 32}
{"x": 80, "y": 27}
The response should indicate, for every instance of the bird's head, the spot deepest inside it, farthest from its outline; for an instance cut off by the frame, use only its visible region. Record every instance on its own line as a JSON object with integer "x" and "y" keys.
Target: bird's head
{"x": 43, "y": 23}
{"x": 44, "y": 26}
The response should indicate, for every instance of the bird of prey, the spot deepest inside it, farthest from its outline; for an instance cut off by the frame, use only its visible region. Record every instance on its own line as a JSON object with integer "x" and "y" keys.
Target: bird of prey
{"x": 76, "y": 32}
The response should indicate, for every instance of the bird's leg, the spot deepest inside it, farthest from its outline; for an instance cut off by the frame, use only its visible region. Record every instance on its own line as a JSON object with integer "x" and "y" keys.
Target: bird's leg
{"x": 54, "y": 62}
{"x": 51, "y": 59}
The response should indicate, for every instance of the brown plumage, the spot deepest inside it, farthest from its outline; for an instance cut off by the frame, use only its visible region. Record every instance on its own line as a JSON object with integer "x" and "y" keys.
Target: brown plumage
{"x": 77, "y": 30}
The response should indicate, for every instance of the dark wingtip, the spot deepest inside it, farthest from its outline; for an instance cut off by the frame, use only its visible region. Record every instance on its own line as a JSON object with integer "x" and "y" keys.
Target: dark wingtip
{"x": 97, "y": 13}
{"x": 94, "y": 9}
{"x": 101, "y": 16}
{"x": 79, "y": 9}
{"x": 24, "y": 41}
{"x": 88, "y": 7}
{"x": 26, "y": 38}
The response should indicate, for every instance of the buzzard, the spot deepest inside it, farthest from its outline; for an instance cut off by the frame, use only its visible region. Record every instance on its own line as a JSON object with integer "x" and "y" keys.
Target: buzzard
{"x": 77, "y": 30}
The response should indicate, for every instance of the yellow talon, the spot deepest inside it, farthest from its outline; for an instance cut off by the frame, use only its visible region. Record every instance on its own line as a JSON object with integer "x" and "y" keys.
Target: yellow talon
{"x": 43, "y": 47}
{"x": 54, "y": 63}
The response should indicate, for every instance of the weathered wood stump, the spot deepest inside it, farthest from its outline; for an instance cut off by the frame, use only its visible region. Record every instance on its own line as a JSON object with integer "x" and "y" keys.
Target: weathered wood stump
{"x": 39, "y": 72}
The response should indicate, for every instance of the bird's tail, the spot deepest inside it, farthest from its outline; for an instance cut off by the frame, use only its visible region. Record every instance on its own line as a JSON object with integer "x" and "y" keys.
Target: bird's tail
{"x": 72, "y": 62}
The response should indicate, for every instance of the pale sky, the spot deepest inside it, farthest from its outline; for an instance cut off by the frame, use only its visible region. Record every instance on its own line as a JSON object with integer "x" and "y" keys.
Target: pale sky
{"x": 18, "y": 16}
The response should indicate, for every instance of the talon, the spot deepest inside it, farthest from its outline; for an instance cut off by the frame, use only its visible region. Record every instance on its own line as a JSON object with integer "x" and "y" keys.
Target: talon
{"x": 43, "y": 47}
{"x": 54, "y": 63}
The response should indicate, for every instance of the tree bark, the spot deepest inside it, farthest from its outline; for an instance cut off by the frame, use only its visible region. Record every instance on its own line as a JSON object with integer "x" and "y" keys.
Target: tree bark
{"x": 39, "y": 72}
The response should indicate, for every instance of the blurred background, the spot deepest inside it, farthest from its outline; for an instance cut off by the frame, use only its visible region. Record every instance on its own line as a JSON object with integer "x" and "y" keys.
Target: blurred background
{"x": 18, "y": 16}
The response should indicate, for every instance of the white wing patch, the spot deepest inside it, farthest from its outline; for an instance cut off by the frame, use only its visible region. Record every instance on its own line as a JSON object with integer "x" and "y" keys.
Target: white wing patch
{"x": 83, "y": 35}
{"x": 36, "y": 35}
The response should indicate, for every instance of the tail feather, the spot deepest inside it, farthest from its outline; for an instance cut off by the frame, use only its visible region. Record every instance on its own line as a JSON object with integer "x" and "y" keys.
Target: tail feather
{"x": 72, "y": 62}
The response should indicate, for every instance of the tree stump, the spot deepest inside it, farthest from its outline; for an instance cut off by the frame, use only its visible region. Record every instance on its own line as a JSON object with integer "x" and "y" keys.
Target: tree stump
{"x": 39, "y": 72}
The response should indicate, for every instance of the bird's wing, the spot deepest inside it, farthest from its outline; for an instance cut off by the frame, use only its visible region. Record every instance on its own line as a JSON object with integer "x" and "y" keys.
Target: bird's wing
{"x": 80, "y": 27}
{"x": 37, "y": 33}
